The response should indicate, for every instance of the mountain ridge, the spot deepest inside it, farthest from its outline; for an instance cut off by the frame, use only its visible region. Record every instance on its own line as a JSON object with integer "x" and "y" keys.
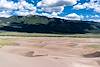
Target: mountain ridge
{"x": 43, "y": 24}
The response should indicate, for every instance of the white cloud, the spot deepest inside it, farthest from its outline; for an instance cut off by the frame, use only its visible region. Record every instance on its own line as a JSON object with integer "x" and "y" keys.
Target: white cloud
{"x": 95, "y": 16}
{"x": 80, "y": 6}
{"x": 24, "y": 13}
{"x": 97, "y": 9}
{"x": 45, "y": 14}
{"x": 55, "y": 6}
{"x": 54, "y": 3}
{"x": 7, "y": 4}
{"x": 74, "y": 16}
{"x": 54, "y": 14}
{"x": 22, "y": 7}
{"x": 57, "y": 10}
{"x": 5, "y": 14}
{"x": 25, "y": 5}
{"x": 95, "y": 20}
{"x": 93, "y": 4}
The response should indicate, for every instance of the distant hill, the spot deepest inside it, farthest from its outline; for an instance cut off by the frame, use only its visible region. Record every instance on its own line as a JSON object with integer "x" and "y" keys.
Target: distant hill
{"x": 42, "y": 24}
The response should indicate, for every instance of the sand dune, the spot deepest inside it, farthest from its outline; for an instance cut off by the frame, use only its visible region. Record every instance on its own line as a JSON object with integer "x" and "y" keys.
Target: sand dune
{"x": 50, "y": 52}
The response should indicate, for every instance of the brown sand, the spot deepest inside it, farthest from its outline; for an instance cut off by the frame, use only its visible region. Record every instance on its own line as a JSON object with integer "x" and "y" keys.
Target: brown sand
{"x": 50, "y": 52}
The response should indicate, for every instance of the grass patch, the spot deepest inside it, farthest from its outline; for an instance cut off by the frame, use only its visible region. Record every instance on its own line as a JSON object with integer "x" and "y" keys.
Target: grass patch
{"x": 20, "y": 34}
{"x": 5, "y": 42}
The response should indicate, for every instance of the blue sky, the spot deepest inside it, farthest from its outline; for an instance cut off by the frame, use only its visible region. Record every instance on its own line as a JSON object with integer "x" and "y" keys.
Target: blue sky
{"x": 67, "y": 9}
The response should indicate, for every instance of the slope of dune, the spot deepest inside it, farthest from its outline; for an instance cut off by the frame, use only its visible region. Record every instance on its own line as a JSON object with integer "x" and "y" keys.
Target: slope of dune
{"x": 50, "y": 52}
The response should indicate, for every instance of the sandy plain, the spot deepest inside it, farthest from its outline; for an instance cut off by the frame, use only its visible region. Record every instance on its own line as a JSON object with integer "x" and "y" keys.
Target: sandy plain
{"x": 50, "y": 52}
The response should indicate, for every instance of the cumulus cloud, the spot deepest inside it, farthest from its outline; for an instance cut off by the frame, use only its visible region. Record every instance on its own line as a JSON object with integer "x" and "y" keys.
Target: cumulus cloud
{"x": 93, "y": 4}
{"x": 74, "y": 16}
{"x": 4, "y": 4}
{"x": 25, "y": 5}
{"x": 54, "y": 3}
{"x": 80, "y": 6}
{"x": 21, "y": 7}
{"x": 55, "y": 6}
{"x": 95, "y": 18}
{"x": 97, "y": 9}
{"x": 5, "y": 14}
{"x": 24, "y": 13}
{"x": 47, "y": 15}
{"x": 57, "y": 10}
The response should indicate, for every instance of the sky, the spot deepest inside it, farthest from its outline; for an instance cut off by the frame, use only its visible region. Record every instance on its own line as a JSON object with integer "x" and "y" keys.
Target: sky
{"x": 86, "y": 10}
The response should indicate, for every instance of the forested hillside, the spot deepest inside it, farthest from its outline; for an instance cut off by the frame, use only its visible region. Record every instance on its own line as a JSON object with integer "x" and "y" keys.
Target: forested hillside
{"x": 42, "y": 24}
